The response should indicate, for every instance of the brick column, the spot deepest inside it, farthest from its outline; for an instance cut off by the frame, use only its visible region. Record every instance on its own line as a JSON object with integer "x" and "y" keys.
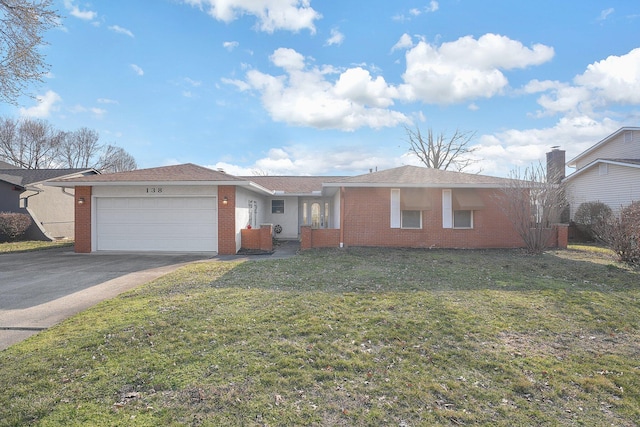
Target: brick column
{"x": 562, "y": 235}
{"x": 227, "y": 220}
{"x": 82, "y": 227}
{"x": 305, "y": 237}
{"x": 266, "y": 237}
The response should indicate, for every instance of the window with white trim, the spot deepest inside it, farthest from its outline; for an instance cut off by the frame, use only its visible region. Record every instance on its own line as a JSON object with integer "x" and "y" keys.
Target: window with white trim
{"x": 462, "y": 219}
{"x": 411, "y": 219}
{"x": 603, "y": 169}
{"x": 277, "y": 206}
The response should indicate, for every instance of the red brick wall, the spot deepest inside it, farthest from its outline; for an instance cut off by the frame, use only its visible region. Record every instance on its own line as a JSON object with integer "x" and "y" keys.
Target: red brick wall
{"x": 319, "y": 238}
{"x": 258, "y": 238}
{"x": 367, "y": 222}
{"x": 227, "y": 220}
{"x": 83, "y": 220}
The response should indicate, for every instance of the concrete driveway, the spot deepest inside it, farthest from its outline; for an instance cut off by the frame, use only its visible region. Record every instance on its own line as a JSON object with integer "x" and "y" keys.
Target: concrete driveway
{"x": 39, "y": 289}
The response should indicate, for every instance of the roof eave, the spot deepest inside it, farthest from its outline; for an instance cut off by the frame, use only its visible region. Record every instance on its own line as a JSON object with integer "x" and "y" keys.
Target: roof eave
{"x": 69, "y": 184}
{"x": 572, "y": 163}
{"x": 415, "y": 185}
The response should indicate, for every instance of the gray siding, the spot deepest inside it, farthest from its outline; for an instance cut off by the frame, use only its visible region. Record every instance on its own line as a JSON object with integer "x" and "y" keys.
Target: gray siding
{"x": 617, "y": 148}
{"x": 618, "y": 188}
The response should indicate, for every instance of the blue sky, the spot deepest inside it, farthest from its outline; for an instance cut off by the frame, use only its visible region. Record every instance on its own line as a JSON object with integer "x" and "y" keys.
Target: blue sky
{"x": 308, "y": 87}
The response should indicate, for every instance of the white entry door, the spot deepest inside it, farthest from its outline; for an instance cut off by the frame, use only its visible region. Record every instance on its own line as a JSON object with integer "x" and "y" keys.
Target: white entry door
{"x": 180, "y": 224}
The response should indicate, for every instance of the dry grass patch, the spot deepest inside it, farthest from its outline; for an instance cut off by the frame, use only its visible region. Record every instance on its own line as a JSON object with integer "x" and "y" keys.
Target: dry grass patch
{"x": 346, "y": 337}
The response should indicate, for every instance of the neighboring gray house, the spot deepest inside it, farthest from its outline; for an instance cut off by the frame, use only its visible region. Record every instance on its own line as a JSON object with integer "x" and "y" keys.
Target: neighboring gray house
{"x": 608, "y": 172}
{"x": 51, "y": 208}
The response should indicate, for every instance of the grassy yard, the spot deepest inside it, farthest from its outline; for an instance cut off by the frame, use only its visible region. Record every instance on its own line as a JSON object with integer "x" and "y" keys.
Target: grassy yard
{"x": 355, "y": 337}
{"x": 32, "y": 245}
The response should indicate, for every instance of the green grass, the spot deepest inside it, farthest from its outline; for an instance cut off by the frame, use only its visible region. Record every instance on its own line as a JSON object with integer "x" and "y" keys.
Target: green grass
{"x": 32, "y": 245}
{"x": 355, "y": 337}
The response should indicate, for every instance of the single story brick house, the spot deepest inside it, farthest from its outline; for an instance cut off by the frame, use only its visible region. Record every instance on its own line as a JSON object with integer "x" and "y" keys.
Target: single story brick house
{"x": 192, "y": 208}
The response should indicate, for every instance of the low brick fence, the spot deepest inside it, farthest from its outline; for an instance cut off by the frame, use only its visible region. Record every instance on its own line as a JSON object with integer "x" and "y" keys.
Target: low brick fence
{"x": 319, "y": 237}
{"x": 257, "y": 238}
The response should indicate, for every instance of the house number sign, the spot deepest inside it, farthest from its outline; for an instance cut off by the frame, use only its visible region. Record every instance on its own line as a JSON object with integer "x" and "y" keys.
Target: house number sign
{"x": 155, "y": 190}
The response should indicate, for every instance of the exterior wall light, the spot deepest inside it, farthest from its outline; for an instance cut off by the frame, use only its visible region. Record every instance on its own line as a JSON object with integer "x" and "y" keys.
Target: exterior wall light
{"x": 225, "y": 200}
{"x": 81, "y": 201}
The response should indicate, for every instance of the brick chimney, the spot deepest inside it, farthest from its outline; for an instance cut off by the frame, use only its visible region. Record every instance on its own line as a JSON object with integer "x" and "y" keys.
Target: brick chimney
{"x": 555, "y": 165}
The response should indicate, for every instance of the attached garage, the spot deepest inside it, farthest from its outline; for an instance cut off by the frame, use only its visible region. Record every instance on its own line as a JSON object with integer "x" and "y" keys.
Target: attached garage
{"x": 180, "y": 208}
{"x": 181, "y": 224}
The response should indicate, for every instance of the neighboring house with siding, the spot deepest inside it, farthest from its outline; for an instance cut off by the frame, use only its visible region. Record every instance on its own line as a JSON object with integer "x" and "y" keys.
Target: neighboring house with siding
{"x": 192, "y": 208}
{"x": 51, "y": 209}
{"x": 608, "y": 172}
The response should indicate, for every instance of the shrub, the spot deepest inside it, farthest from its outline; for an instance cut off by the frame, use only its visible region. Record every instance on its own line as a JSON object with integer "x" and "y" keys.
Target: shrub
{"x": 590, "y": 217}
{"x": 622, "y": 234}
{"x": 13, "y": 225}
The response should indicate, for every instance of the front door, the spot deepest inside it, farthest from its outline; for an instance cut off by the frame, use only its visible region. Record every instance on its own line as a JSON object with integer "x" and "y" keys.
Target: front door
{"x": 315, "y": 213}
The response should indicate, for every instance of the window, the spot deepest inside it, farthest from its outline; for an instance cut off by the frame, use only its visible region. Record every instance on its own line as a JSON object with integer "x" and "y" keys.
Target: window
{"x": 628, "y": 136}
{"x": 277, "y": 206}
{"x": 411, "y": 219}
{"x": 603, "y": 169}
{"x": 462, "y": 219}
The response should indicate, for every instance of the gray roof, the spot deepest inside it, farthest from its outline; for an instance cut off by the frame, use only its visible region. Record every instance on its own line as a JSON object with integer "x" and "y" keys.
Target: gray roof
{"x": 293, "y": 184}
{"x": 34, "y": 176}
{"x": 415, "y": 176}
{"x": 177, "y": 173}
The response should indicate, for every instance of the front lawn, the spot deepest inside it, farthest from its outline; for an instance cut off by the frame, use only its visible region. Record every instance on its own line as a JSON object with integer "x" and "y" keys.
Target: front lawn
{"x": 32, "y": 245}
{"x": 354, "y": 337}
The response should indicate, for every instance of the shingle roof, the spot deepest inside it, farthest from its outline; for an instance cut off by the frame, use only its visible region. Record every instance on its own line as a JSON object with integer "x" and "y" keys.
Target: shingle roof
{"x": 11, "y": 179}
{"x": 293, "y": 184}
{"x": 421, "y": 176}
{"x": 33, "y": 176}
{"x": 186, "y": 172}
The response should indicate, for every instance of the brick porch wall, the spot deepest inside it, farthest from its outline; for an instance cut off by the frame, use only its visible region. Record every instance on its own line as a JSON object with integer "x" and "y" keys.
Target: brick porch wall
{"x": 319, "y": 238}
{"x": 258, "y": 238}
{"x": 82, "y": 227}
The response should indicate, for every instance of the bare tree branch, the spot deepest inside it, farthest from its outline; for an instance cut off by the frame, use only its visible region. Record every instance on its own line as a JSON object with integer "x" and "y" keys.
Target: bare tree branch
{"x": 440, "y": 151}
{"x": 533, "y": 203}
{"x": 35, "y": 144}
{"x": 22, "y": 26}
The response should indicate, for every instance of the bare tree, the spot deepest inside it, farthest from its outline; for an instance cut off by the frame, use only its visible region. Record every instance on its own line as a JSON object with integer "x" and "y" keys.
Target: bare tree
{"x": 22, "y": 26}
{"x": 80, "y": 148}
{"x": 35, "y": 144}
{"x": 29, "y": 143}
{"x": 115, "y": 159}
{"x": 442, "y": 152}
{"x": 533, "y": 202}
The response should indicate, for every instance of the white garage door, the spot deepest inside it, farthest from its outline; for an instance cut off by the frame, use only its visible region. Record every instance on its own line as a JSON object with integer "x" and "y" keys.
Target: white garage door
{"x": 180, "y": 224}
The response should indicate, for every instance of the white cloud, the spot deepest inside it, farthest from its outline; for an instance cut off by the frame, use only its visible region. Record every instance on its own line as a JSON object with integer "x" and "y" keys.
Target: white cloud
{"x": 230, "y": 45}
{"x": 136, "y": 69}
{"x": 405, "y": 42}
{"x": 605, "y": 14}
{"x": 272, "y": 15}
{"x": 301, "y": 160}
{"x": 607, "y": 83}
{"x": 467, "y": 68}
{"x": 95, "y": 111}
{"x": 501, "y": 152}
{"x": 45, "y": 105}
{"x": 107, "y": 101}
{"x": 75, "y": 11}
{"x": 615, "y": 79}
{"x": 118, "y": 29}
{"x": 308, "y": 97}
{"x": 336, "y": 38}
{"x": 191, "y": 82}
